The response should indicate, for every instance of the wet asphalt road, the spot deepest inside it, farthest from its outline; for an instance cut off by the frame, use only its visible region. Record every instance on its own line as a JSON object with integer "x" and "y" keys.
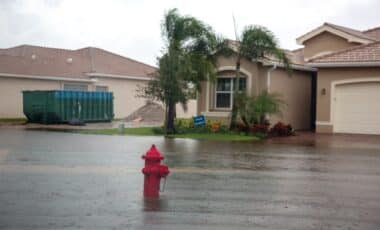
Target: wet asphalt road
{"x": 52, "y": 180}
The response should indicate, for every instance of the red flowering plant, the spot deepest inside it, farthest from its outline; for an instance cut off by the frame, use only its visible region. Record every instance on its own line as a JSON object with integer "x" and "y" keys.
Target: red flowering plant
{"x": 280, "y": 129}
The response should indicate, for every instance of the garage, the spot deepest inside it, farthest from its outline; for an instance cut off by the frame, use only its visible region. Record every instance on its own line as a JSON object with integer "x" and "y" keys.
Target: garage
{"x": 357, "y": 108}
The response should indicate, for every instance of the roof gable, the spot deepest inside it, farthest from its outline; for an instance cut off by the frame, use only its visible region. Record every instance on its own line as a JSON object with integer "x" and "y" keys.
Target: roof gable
{"x": 368, "y": 53}
{"x": 373, "y": 33}
{"x": 350, "y": 35}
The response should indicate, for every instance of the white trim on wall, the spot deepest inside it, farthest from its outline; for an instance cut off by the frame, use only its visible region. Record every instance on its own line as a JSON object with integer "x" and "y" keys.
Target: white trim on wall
{"x": 208, "y": 99}
{"x": 242, "y": 70}
{"x": 118, "y": 76}
{"x": 227, "y": 68}
{"x": 48, "y": 78}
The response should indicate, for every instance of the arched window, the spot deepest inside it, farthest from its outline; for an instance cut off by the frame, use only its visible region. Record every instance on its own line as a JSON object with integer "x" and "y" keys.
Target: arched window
{"x": 224, "y": 90}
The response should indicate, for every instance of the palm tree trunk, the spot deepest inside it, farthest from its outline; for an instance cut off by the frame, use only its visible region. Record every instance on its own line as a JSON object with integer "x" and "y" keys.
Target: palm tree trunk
{"x": 170, "y": 129}
{"x": 235, "y": 94}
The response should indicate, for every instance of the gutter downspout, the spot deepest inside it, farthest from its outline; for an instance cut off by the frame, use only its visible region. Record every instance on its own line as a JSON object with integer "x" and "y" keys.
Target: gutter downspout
{"x": 269, "y": 75}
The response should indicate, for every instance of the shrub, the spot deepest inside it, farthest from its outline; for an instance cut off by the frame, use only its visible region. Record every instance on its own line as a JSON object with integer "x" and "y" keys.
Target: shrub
{"x": 261, "y": 135}
{"x": 259, "y": 128}
{"x": 280, "y": 130}
{"x": 241, "y": 127}
{"x": 158, "y": 130}
{"x": 253, "y": 110}
{"x": 183, "y": 125}
{"x": 215, "y": 126}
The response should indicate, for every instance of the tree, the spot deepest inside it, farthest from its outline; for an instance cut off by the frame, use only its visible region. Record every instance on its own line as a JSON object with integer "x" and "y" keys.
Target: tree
{"x": 257, "y": 43}
{"x": 188, "y": 59}
{"x": 252, "y": 110}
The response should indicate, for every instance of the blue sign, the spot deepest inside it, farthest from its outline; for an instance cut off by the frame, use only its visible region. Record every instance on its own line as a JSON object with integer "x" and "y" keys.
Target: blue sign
{"x": 199, "y": 120}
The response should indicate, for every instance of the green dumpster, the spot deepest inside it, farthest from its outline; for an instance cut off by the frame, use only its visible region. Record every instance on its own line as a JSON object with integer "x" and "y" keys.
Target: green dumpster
{"x": 61, "y": 106}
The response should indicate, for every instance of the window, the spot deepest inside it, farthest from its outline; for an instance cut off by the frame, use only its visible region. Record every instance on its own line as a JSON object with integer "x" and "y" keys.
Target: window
{"x": 99, "y": 88}
{"x": 224, "y": 91}
{"x": 75, "y": 87}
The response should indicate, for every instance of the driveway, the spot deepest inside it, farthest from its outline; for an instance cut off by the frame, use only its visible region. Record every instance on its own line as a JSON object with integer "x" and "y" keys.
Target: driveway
{"x": 52, "y": 180}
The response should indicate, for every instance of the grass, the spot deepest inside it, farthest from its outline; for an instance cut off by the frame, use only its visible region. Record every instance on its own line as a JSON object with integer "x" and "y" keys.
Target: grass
{"x": 216, "y": 136}
{"x": 142, "y": 131}
{"x": 12, "y": 121}
{"x": 148, "y": 131}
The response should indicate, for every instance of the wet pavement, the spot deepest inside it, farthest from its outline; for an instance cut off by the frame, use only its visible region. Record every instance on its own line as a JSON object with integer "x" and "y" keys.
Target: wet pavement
{"x": 51, "y": 180}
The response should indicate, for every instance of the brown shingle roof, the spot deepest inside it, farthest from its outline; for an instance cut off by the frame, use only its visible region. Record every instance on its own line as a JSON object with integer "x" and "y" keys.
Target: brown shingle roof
{"x": 43, "y": 61}
{"x": 373, "y": 33}
{"x": 353, "y": 32}
{"x": 297, "y": 56}
{"x": 363, "y": 53}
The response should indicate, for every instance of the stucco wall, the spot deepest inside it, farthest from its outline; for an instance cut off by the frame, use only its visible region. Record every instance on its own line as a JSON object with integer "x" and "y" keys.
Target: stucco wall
{"x": 125, "y": 100}
{"x": 296, "y": 93}
{"x": 324, "y": 81}
{"x": 11, "y": 94}
{"x": 325, "y": 42}
{"x": 124, "y": 91}
{"x": 191, "y": 109}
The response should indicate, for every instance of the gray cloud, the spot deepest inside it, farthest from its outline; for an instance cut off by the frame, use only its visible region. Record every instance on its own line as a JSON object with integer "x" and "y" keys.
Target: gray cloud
{"x": 132, "y": 28}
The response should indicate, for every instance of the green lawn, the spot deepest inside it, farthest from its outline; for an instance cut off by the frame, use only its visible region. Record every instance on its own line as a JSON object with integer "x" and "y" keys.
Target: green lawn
{"x": 148, "y": 131}
{"x": 216, "y": 136}
{"x": 12, "y": 121}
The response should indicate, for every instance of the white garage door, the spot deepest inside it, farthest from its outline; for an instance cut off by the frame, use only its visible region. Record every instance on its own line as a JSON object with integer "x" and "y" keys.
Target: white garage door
{"x": 357, "y": 108}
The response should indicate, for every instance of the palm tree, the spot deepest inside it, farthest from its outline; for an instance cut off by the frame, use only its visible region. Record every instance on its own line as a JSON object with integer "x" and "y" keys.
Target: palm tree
{"x": 188, "y": 60}
{"x": 257, "y": 43}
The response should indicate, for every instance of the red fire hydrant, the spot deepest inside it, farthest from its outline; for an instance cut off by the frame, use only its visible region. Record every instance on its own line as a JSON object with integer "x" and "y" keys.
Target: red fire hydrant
{"x": 153, "y": 172}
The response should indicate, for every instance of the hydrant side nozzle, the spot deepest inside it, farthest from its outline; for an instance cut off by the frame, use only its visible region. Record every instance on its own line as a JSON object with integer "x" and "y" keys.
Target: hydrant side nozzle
{"x": 164, "y": 170}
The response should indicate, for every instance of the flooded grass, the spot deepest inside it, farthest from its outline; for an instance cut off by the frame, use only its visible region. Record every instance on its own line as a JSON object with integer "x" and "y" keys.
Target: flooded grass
{"x": 216, "y": 136}
{"x": 149, "y": 131}
{"x": 12, "y": 121}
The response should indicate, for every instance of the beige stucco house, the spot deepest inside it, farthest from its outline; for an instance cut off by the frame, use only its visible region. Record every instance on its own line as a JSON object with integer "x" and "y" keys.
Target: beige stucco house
{"x": 334, "y": 88}
{"x": 348, "y": 79}
{"x": 215, "y": 99}
{"x": 39, "y": 68}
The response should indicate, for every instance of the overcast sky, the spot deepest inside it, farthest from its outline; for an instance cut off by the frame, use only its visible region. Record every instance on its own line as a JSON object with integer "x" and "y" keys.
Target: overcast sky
{"x": 132, "y": 27}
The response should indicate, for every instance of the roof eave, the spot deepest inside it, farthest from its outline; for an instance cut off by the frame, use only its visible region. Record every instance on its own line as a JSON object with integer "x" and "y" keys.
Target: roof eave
{"x": 105, "y": 75}
{"x": 47, "y": 78}
{"x": 344, "y": 64}
{"x": 292, "y": 66}
{"x": 325, "y": 28}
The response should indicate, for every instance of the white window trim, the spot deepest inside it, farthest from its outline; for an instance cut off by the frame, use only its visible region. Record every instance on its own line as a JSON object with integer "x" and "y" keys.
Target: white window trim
{"x": 230, "y": 92}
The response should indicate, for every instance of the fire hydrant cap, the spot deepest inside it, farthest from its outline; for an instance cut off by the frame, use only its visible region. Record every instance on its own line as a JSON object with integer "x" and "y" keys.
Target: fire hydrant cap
{"x": 153, "y": 154}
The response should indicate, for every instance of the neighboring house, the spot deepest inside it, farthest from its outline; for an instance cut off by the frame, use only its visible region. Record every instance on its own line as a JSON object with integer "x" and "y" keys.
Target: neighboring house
{"x": 335, "y": 85}
{"x": 39, "y": 68}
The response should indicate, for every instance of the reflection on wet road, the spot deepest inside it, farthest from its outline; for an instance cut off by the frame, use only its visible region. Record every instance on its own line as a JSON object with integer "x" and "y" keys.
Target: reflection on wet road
{"x": 54, "y": 180}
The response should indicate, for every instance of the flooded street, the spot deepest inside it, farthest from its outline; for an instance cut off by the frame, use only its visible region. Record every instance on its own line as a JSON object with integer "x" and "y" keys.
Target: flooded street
{"x": 51, "y": 180}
